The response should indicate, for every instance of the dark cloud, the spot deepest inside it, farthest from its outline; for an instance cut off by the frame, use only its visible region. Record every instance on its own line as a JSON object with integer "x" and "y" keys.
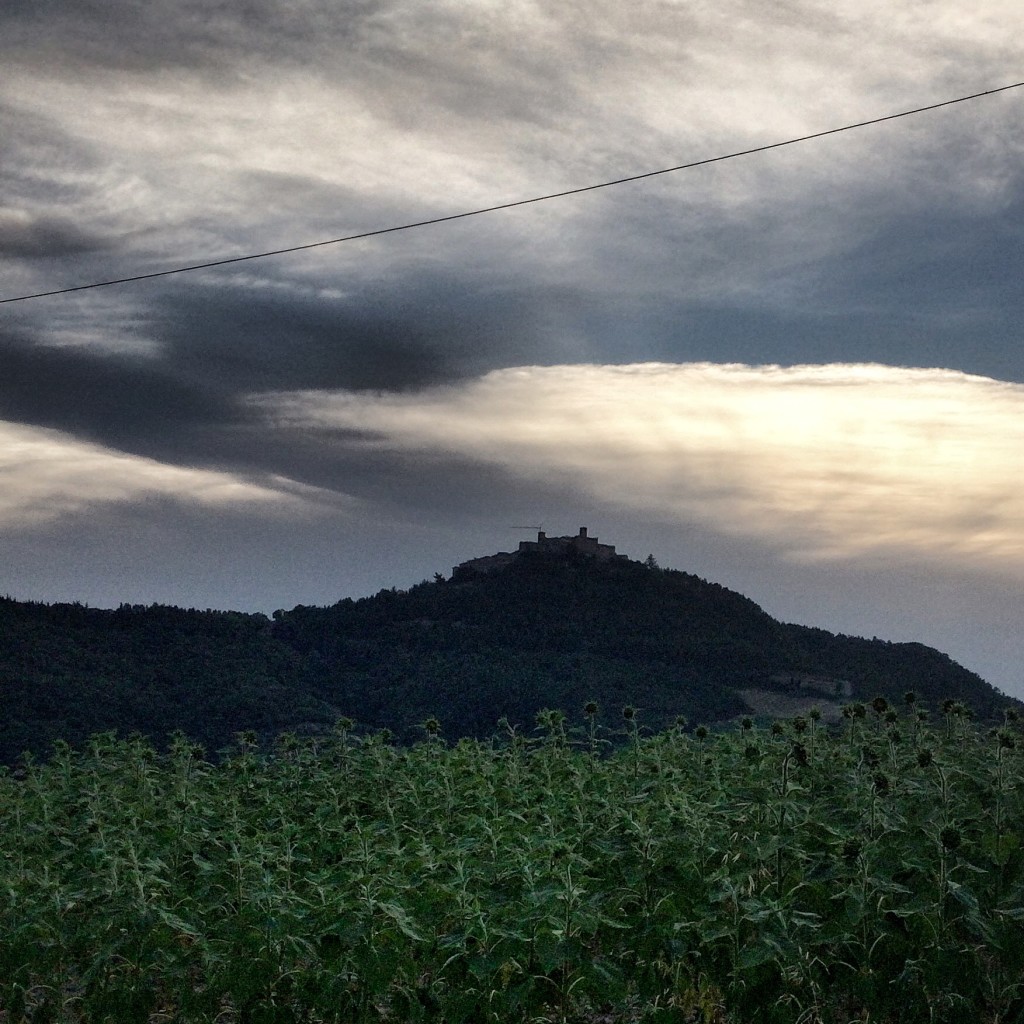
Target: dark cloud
{"x": 927, "y": 286}
{"x": 253, "y": 340}
{"x": 46, "y": 237}
{"x": 134, "y": 35}
{"x": 130, "y": 403}
{"x": 188, "y": 402}
{"x": 185, "y": 401}
{"x": 938, "y": 260}
{"x": 938, "y": 288}
{"x": 410, "y": 330}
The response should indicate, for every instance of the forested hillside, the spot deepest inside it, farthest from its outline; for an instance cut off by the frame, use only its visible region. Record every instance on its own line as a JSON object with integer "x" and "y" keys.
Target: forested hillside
{"x": 67, "y": 671}
{"x": 546, "y": 631}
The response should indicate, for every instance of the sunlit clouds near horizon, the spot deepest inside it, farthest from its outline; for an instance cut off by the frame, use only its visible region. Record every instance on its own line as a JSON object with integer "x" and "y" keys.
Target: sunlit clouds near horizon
{"x": 46, "y": 475}
{"x": 832, "y": 461}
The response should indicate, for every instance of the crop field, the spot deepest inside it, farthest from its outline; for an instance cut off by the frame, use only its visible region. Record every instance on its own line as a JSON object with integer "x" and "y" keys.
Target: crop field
{"x": 783, "y": 873}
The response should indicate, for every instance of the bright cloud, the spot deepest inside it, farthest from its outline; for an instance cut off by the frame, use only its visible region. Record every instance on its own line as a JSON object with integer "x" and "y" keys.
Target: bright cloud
{"x": 45, "y": 474}
{"x": 825, "y": 461}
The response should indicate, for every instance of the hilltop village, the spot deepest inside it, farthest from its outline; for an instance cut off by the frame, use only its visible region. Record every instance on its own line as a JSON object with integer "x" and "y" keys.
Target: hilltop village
{"x": 582, "y": 544}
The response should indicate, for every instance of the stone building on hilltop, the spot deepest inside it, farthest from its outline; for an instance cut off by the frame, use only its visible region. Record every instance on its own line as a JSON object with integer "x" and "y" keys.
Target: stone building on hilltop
{"x": 582, "y": 544}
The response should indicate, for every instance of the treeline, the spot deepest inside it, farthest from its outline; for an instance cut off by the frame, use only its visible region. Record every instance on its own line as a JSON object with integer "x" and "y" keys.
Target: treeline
{"x": 547, "y": 631}
{"x": 67, "y": 671}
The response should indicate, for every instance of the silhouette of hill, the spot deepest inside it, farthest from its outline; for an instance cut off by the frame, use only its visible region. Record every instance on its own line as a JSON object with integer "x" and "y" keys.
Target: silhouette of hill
{"x": 551, "y": 627}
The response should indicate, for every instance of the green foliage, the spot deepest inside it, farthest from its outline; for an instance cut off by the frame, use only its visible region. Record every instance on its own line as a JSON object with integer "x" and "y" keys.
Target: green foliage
{"x": 345, "y": 879}
{"x": 546, "y": 632}
{"x": 67, "y": 671}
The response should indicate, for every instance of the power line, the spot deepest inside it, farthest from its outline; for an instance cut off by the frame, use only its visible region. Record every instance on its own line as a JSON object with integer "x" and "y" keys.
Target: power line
{"x": 514, "y": 203}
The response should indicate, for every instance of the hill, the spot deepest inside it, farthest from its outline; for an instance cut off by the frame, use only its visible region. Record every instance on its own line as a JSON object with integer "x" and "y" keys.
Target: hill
{"x": 552, "y": 627}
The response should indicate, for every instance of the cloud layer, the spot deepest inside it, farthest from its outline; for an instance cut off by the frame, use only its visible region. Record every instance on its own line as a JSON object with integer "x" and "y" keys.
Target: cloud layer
{"x": 138, "y": 139}
{"x": 826, "y": 461}
{"x": 47, "y": 476}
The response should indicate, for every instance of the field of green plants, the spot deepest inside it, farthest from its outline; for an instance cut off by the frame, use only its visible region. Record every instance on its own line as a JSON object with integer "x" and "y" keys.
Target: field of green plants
{"x": 778, "y": 874}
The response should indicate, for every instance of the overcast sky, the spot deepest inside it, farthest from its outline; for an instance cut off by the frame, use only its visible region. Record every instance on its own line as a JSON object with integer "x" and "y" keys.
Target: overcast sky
{"x": 798, "y": 373}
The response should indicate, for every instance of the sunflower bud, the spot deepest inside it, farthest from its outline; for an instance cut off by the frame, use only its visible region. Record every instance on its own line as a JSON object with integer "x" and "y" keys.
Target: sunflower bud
{"x": 950, "y": 838}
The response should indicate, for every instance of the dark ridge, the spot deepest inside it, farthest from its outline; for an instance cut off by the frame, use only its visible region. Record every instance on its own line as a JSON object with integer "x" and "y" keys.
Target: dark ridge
{"x": 549, "y": 628}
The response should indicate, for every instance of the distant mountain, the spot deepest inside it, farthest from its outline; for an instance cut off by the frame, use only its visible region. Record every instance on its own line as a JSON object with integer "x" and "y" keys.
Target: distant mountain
{"x": 552, "y": 625}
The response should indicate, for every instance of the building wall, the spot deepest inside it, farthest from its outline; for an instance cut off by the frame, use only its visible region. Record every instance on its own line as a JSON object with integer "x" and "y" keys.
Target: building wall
{"x": 582, "y": 542}
{"x": 486, "y": 563}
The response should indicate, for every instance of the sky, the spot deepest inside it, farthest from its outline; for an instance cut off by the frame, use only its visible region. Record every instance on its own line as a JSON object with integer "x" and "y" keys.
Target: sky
{"x": 798, "y": 373}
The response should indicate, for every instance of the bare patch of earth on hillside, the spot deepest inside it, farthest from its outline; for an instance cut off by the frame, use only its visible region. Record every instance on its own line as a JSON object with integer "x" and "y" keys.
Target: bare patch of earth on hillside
{"x": 782, "y": 705}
